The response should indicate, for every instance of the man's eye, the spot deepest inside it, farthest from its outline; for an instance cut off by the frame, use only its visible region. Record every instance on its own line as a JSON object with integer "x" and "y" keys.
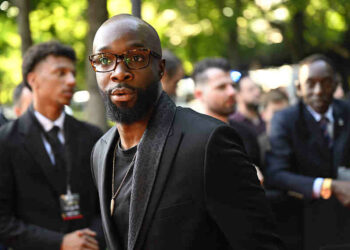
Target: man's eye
{"x": 137, "y": 58}
{"x": 104, "y": 60}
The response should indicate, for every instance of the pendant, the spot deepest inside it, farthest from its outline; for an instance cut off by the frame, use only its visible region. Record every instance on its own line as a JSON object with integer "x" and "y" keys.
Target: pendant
{"x": 112, "y": 206}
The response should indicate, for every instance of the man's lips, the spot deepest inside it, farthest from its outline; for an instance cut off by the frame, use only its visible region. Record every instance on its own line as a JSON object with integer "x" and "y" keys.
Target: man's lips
{"x": 122, "y": 94}
{"x": 68, "y": 93}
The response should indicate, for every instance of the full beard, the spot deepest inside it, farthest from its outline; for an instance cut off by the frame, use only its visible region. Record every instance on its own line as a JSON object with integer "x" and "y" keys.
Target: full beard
{"x": 253, "y": 106}
{"x": 146, "y": 99}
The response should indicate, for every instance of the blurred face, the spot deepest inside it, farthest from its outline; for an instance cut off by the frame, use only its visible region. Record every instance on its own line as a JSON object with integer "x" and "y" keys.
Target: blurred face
{"x": 53, "y": 81}
{"x": 170, "y": 83}
{"x": 249, "y": 93}
{"x": 317, "y": 85}
{"x": 271, "y": 109}
{"x": 128, "y": 93}
{"x": 218, "y": 94}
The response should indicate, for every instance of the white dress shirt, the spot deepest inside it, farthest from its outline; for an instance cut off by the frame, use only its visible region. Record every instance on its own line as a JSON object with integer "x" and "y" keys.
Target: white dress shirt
{"x": 316, "y": 190}
{"x": 47, "y": 125}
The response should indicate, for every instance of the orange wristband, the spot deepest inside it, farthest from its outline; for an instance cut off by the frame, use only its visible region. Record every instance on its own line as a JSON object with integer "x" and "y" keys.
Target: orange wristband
{"x": 326, "y": 189}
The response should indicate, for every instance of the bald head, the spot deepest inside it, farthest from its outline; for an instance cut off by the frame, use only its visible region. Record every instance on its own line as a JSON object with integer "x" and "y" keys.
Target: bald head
{"x": 137, "y": 33}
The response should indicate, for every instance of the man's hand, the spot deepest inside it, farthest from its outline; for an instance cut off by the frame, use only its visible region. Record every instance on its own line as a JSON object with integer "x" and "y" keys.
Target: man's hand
{"x": 260, "y": 175}
{"x": 80, "y": 240}
{"x": 341, "y": 190}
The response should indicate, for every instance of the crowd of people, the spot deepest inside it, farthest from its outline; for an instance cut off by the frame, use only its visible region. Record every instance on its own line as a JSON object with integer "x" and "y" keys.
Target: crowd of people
{"x": 251, "y": 172}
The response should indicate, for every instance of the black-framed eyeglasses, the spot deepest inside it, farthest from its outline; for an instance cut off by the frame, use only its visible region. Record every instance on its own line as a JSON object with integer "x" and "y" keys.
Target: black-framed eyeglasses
{"x": 133, "y": 59}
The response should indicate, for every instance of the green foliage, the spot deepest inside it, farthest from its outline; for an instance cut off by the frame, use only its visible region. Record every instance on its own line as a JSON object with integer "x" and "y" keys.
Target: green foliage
{"x": 61, "y": 20}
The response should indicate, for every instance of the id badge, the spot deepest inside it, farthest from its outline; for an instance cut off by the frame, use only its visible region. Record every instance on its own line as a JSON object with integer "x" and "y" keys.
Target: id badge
{"x": 70, "y": 208}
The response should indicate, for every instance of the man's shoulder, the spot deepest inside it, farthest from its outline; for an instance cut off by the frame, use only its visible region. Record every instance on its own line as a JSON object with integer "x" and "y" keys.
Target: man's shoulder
{"x": 242, "y": 129}
{"x": 341, "y": 104}
{"x": 189, "y": 119}
{"x": 14, "y": 127}
{"x": 288, "y": 115}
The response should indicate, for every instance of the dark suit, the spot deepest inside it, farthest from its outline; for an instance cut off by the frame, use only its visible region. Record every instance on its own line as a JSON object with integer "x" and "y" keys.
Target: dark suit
{"x": 3, "y": 119}
{"x": 193, "y": 187}
{"x": 250, "y": 141}
{"x": 299, "y": 154}
{"x": 30, "y": 187}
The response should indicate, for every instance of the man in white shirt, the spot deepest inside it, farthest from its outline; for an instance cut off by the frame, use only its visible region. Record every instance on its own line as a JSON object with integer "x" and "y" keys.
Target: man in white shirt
{"x": 47, "y": 196}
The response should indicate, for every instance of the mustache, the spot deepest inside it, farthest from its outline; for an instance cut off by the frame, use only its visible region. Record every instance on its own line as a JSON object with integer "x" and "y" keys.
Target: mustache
{"x": 119, "y": 86}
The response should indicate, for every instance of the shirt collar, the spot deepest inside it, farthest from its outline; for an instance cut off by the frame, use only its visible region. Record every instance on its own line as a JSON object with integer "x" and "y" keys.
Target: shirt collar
{"x": 47, "y": 124}
{"x": 317, "y": 116}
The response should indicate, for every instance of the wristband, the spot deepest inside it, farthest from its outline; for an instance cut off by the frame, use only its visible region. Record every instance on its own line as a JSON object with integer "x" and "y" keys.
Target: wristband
{"x": 326, "y": 189}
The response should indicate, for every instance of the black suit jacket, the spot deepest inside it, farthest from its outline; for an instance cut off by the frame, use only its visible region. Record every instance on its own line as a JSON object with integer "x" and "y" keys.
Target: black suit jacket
{"x": 250, "y": 141}
{"x": 29, "y": 186}
{"x": 193, "y": 187}
{"x": 298, "y": 155}
{"x": 3, "y": 119}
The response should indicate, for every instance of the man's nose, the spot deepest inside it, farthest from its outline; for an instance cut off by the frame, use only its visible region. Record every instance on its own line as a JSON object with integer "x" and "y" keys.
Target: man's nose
{"x": 71, "y": 80}
{"x": 230, "y": 90}
{"x": 318, "y": 88}
{"x": 121, "y": 73}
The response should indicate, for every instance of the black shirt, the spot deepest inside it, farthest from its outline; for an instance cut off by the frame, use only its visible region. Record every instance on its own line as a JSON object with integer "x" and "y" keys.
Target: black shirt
{"x": 124, "y": 159}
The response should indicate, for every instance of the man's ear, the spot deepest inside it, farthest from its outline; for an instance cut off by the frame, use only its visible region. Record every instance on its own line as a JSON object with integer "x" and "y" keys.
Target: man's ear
{"x": 198, "y": 93}
{"x": 161, "y": 68}
{"x": 31, "y": 79}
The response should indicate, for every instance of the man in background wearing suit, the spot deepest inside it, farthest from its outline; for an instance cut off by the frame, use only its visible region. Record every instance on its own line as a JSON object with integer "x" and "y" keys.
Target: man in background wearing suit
{"x": 3, "y": 119}
{"x": 47, "y": 196}
{"x": 168, "y": 177}
{"x": 308, "y": 143}
{"x": 216, "y": 91}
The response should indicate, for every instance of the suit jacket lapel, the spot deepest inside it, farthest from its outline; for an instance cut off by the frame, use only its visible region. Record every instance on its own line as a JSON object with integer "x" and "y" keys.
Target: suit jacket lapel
{"x": 314, "y": 132}
{"x": 169, "y": 154}
{"x": 33, "y": 143}
{"x": 105, "y": 183}
{"x": 314, "y": 140}
{"x": 146, "y": 165}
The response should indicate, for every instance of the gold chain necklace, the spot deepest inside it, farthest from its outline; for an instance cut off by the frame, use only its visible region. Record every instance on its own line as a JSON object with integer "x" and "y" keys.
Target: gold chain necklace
{"x": 114, "y": 195}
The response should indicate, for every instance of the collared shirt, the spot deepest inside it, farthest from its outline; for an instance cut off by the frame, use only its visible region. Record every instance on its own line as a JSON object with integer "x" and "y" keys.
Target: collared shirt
{"x": 47, "y": 125}
{"x": 317, "y": 185}
{"x": 328, "y": 115}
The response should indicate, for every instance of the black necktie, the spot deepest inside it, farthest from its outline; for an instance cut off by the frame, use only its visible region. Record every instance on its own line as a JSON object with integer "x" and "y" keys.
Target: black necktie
{"x": 324, "y": 128}
{"x": 56, "y": 146}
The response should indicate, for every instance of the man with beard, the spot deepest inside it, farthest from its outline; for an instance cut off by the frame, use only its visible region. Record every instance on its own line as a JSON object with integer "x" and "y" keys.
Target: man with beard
{"x": 47, "y": 196}
{"x": 309, "y": 141}
{"x": 248, "y": 100}
{"x": 216, "y": 91}
{"x": 168, "y": 177}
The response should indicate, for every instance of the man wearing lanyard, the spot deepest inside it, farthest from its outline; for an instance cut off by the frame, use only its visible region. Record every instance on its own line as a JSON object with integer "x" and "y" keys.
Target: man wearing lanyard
{"x": 47, "y": 196}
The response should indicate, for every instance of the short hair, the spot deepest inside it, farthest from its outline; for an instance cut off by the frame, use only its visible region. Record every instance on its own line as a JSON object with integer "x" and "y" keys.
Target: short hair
{"x": 18, "y": 92}
{"x": 273, "y": 96}
{"x": 172, "y": 62}
{"x": 39, "y": 52}
{"x": 200, "y": 67}
{"x": 317, "y": 57}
